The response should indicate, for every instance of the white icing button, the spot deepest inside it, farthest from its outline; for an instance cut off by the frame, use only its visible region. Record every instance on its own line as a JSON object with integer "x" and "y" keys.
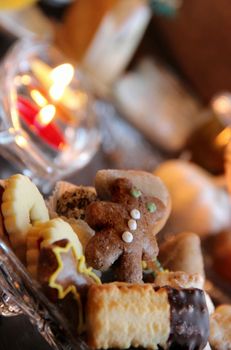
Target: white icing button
{"x": 132, "y": 224}
{"x": 127, "y": 237}
{"x": 135, "y": 214}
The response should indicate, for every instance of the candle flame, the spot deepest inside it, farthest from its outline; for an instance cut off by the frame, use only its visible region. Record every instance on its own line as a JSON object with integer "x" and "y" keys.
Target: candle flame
{"x": 46, "y": 115}
{"x": 56, "y": 91}
{"x": 56, "y": 81}
{"x": 223, "y": 137}
{"x": 38, "y": 98}
{"x": 62, "y": 74}
{"x": 61, "y": 77}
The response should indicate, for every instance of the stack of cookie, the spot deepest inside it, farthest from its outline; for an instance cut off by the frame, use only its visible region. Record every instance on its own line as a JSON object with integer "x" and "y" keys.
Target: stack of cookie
{"x": 93, "y": 251}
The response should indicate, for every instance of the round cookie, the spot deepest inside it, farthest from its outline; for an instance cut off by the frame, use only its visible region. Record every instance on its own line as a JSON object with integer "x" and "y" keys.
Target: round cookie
{"x": 22, "y": 206}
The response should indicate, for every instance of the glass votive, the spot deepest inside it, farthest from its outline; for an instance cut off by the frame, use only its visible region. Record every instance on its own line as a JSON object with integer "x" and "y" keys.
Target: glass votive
{"x": 48, "y": 129}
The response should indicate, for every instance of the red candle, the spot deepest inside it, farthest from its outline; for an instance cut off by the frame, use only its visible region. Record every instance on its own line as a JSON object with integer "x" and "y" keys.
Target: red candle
{"x": 40, "y": 122}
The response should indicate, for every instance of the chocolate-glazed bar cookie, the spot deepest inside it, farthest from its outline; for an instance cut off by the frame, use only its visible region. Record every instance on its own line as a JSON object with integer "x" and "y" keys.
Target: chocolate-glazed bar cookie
{"x": 188, "y": 318}
{"x": 120, "y": 315}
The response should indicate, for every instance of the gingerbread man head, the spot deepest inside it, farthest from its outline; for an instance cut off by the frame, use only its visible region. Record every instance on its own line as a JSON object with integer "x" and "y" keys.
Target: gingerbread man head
{"x": 125, "y": 230}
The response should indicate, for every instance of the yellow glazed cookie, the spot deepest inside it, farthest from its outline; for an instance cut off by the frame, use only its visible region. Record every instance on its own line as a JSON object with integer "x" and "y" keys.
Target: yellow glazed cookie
{"x": 44, "y": 234}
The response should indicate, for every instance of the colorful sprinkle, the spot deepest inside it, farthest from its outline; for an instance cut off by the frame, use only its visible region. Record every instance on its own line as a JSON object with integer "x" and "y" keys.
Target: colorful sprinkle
{"x": 132, "y": 224}
{"x": 151, "y": 207}
{"x": 135, "y": 214}
{"x": 127, "y": 237}
{"x": 135, "y": 192}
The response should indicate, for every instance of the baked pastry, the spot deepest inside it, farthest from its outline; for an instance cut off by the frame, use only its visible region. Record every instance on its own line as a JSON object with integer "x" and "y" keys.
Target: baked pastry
{"x": 179, "y": 279}
{"x": 182, "y": 252}
{"x": 73, "y": 204}
{"x": 65, "y": 279}
{"x": 116, "y": 232}
{"x": 69, "y": 202}
{"x": 149, "y": 185}
{"x": 199, "y": 204}
{"x": 125, "y": 225}
{"x": 220, "y": 328}
{"x": 120, "y": 315}
{"x": 55, "y": 258}
{"x": 44, "y": 234}
{"x": 22, "y": 205}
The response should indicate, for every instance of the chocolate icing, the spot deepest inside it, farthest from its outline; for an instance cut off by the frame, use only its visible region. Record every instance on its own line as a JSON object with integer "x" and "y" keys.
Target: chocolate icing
{"x": 189, "y": 319}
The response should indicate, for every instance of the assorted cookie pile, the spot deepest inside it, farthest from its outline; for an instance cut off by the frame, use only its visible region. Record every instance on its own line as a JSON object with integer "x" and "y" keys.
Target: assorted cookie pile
{"x": 94, "y": 252}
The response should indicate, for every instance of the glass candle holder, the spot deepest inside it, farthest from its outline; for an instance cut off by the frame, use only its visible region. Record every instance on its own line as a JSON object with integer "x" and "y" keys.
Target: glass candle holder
{"x": 48, "y": 128}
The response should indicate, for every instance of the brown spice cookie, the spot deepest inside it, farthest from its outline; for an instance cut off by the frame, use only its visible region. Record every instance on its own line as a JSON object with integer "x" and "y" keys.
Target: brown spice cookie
{"x": 73, "y": 204}
{"x": 125, "y": 229}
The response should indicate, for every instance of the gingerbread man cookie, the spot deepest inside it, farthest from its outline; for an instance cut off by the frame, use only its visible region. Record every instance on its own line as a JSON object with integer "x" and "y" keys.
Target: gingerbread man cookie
{"x": 125, "y": 231}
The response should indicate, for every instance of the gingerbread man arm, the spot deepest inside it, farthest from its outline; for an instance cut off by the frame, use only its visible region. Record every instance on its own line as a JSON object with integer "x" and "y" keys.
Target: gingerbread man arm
{"x": 99, "y": 214}
{"x": 103, "y": 249}
{"x": 150, "y": 247}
